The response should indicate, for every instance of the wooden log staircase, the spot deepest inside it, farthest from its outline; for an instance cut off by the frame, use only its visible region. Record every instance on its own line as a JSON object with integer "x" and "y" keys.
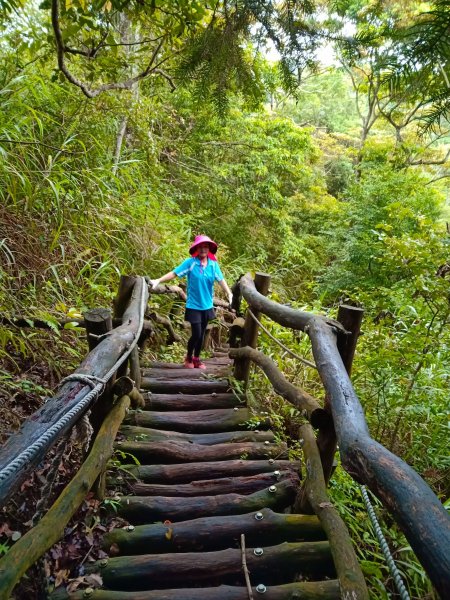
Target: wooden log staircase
{"x": 214, "y": 508}
{"x": 211, "y": 478}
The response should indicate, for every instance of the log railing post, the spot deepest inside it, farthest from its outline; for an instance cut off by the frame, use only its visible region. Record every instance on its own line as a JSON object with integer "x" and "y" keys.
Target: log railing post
{"x": 350, "y": 317}
{"x": 121, "y": 301}
{"x": 98, "y": 322}
{"x": 135, "y": 368}
{"x": 250, "y": 335}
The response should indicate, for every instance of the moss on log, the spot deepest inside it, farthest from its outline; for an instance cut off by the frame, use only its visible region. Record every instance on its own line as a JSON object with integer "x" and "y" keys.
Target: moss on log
{"x": 306, "y": 403}
{"x": 349, "y": 572}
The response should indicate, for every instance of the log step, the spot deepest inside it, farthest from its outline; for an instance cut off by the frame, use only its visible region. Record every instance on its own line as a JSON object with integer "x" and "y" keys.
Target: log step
{"x": 175, "y": 451}
{"x": 215, "y": 478}
{"x": 200, "y": 421}
{"x": 309, "y": 559}
{"x": 209, "y": 362}
{"x": 184, "y": 386}
{"x": 146, "y": 434}
{"x": 185, "y": 473}
{"x": 191, "y": 401}
{"x": 205, "y": 375}
{"x": 208, "y": 487}
{"x": 214, "y": 533}
{"x": 306, "y": 590}
{"x": 139, "y": 510}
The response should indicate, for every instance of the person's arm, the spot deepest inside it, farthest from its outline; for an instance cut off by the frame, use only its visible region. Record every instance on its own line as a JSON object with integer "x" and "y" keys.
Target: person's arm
{"x": 167, "y": 277}
{"x": 223, "y": 284}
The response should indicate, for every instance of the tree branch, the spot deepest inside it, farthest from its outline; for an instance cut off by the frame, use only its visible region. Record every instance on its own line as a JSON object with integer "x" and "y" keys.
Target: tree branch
{"x": 424, "y": 161}
{"x": 124, "y": 85}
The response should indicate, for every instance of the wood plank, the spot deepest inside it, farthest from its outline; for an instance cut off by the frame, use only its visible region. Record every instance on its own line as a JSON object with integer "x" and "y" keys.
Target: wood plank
{"x": 208, "y": 361}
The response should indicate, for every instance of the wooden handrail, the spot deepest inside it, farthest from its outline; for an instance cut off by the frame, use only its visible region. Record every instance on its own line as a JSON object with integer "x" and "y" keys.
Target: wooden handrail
{"x": 415, "y": 507}
{"x": 303, "y": 401}
{"x": 98, "y": 363}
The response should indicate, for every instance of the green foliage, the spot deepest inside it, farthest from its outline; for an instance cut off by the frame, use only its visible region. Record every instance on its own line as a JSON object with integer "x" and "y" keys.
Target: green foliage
{"x": 346, "y": 495}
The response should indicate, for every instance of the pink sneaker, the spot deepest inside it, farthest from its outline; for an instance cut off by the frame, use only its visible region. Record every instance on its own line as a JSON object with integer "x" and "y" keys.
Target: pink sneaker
{"x": 188, "y": 363}
{"x": 198, "y": 363}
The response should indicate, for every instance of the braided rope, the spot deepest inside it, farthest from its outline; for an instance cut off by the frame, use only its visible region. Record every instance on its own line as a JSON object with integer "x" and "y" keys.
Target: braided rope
{"x": 384, "y": 546}
{"x": 89, "y": 380}
{"x": 300, "y": 358}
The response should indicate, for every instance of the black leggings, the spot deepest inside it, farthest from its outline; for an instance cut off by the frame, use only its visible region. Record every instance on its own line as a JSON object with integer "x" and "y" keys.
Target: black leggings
{"x": 198, "y": 333}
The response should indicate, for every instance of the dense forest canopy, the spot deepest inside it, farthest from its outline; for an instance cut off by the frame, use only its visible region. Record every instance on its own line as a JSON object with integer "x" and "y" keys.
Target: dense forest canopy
{"x": 128, "y": 127}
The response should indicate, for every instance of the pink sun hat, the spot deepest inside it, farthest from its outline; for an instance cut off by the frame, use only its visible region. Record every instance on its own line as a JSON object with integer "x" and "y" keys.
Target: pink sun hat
{"x": 203, "y": 239}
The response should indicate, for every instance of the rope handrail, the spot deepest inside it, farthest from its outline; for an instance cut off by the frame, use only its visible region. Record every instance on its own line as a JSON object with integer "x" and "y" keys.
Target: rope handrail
{"x": 384, "y": 546}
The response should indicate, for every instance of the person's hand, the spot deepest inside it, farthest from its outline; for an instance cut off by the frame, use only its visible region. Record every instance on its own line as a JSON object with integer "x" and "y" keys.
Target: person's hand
{"x": 230, "y": 298}
{"x": 153, "y": 283}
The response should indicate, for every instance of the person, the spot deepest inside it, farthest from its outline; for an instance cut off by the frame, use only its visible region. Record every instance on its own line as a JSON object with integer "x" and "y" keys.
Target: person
{"x": 202, "y": 271}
